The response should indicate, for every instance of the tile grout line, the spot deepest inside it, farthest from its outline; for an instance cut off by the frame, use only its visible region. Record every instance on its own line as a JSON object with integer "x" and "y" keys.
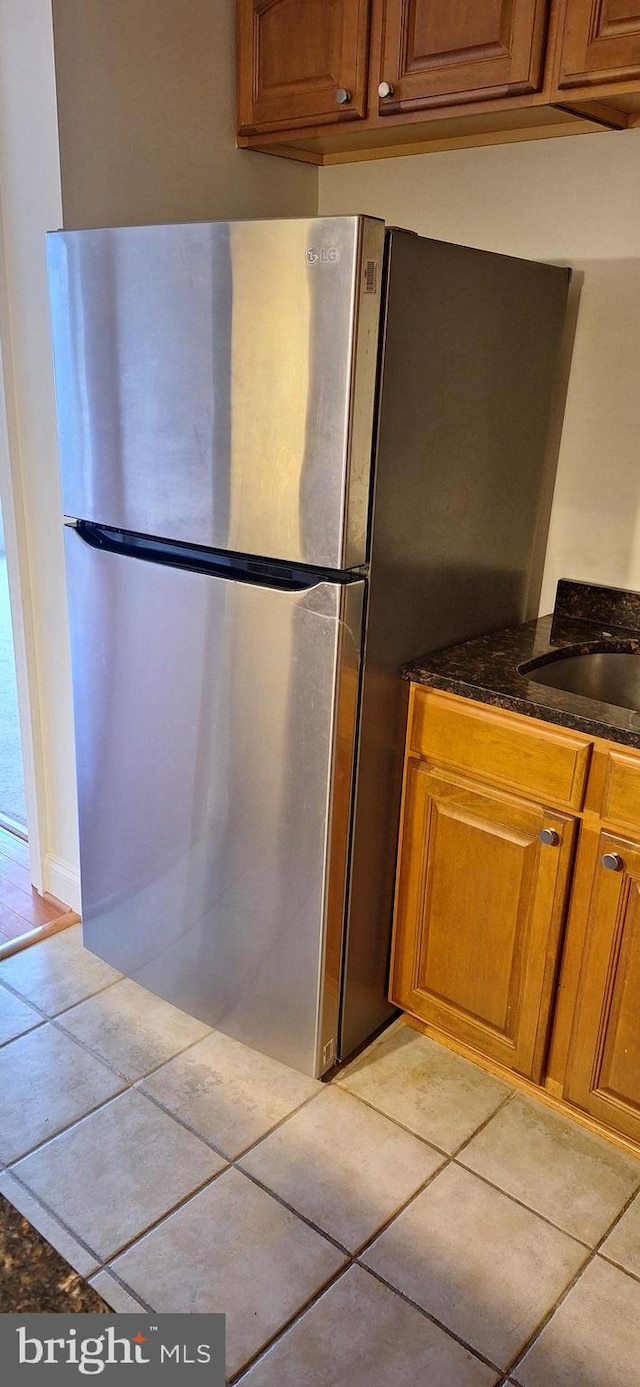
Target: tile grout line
{"x": 53, "y": 1136}
{"x": 231, "y": 1160}
{"x": 37, "y": 1026}
{"x": 131, "y": 1083}
{"x": 400, "y": 1125}
{"x": 104, "y": 1267}
{"x": 86, "y": 1247}
{"x": 574, "y": 1281}
{"x": 101, "y": 1263}
{"x": 521, "y": 1205}
{"x": 40, "y": 1010}
{"x": 635, "y": 1276}
{"x": 340, "y": 1247}
{"x": 481, "y": 1125}
{"x": 450, "y": 1155}
{"x": 433, "y": 1320}
{"x": 104, "y": 1264}
{"x": 289, "y": 1324}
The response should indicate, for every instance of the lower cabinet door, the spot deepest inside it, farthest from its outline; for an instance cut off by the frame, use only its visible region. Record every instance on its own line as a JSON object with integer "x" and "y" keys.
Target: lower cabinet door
{"x": 482, "y": 890}
{"x": 603, "y": 1072}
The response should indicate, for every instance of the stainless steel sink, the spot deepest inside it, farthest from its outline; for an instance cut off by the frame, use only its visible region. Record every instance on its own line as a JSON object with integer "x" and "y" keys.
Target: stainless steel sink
{"x": 609, "y": 676}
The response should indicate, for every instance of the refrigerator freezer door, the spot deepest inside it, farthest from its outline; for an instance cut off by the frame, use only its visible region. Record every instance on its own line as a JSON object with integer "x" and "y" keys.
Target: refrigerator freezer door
{"x": 215, "y": 728}
{"x": 215, "y": 382}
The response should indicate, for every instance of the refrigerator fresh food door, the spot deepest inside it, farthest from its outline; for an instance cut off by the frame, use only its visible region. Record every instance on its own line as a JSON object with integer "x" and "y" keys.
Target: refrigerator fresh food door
{"x": 215, "y": 724}
{"x": 215, "y": 382}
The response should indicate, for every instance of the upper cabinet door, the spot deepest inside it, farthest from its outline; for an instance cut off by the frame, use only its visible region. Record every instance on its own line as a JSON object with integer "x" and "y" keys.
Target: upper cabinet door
{"x": 435, "y": 53}
{"x": 301, "y": 62}
{"x": 600, "y": 42}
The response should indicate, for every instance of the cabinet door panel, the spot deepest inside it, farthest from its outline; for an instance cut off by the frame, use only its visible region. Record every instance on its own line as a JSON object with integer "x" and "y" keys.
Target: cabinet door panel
{"x": 293, "y": 58}
{"x": 601, "y": 42}
{"x": 479, "y": 914}
{"x": 603, "y": 1074}
{"x": 436, "y": 53}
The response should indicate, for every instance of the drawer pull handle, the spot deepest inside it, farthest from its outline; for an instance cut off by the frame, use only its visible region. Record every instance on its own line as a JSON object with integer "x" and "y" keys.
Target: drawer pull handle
{"x": 385, "y": 90}
{"x": 549, "y": 836}
{"x": 612, "y": 861}
{"x": 342, "y": 96}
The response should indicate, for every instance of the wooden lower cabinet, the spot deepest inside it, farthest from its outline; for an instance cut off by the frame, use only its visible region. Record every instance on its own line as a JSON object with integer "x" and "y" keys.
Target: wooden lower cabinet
{"x": 603, "y": 1069}
{"x": 480, "y": 908}
{"x": 517, "y": 924}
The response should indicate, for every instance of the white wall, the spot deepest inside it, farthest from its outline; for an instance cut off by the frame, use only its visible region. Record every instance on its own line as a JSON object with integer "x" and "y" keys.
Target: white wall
{"x": 574, "y": 201}
{"x": 30, "y": 195}
{"x": 146, "y": 101}
{"x": 146, "y": 96}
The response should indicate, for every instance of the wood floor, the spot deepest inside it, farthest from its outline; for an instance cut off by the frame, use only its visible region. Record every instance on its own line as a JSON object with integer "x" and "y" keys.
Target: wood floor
{"x": 22, "y": 910}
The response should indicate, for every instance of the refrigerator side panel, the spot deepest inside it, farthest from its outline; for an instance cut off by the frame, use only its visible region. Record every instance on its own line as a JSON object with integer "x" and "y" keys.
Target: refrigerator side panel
{"x": 463, "y": 476}
{"x": 215, "y": 382}
{"x": 209, "y": 755}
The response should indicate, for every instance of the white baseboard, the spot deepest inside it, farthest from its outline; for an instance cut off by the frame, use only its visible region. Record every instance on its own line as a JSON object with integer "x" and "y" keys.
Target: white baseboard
{"x": 62, "y": 881}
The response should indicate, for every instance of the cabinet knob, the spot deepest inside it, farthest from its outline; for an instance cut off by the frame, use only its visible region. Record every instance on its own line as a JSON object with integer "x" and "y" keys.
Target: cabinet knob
{"x": 342, "y": 96}
{"x": 612, "y": 861}
{"x": 385, "y": 89}
{"x": 549, "y": 836}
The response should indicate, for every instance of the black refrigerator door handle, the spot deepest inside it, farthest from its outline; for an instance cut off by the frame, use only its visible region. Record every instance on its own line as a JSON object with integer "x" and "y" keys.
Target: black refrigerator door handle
{"x": 266, "y": 573}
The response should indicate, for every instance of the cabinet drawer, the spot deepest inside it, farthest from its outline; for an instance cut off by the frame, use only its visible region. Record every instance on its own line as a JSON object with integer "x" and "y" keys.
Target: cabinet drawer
{"x": 538, "y": 761}
{"x": 621, "y": 793}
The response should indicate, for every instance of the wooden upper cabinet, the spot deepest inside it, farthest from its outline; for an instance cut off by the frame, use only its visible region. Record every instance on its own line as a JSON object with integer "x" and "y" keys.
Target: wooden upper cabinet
{"x": 437, "y": 53}
{"x": 301, "y": 62}
{"x": 479, "y": 914}
{"x": 600, "y": 42}
{"x": 603, "y": 1075}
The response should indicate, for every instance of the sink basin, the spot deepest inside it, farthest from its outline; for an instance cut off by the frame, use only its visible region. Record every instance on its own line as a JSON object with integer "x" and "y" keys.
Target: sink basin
{"x": 609, "y": 676}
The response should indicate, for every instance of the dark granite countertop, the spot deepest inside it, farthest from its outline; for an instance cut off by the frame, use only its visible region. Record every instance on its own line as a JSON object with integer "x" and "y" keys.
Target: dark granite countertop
{"x": 585, "y": 618}
{"x": 35, "y": 1278}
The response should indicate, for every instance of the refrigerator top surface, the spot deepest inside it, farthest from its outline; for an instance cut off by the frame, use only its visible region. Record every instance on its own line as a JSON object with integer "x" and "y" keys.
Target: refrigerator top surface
{"x": 215, "y": 381}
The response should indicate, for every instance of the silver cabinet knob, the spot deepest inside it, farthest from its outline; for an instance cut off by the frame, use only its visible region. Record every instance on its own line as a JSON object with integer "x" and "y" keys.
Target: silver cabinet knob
{"x": 342, "y": 96}
{"x": 612, "y": 861}
{"x": 385, "y": 89}
{"x": 549, "y": 836}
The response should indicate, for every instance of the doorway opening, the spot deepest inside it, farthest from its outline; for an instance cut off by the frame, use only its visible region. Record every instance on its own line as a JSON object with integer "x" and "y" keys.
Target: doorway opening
{"x": 25, "y": 914}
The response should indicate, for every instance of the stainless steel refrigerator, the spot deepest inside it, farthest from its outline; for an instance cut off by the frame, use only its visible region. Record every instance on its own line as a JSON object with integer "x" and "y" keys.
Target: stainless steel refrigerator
{"x": 294, "y": 454}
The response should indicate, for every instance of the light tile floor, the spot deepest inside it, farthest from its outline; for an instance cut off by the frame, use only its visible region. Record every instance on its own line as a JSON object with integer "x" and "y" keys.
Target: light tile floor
{"x": 416, "y": 1221}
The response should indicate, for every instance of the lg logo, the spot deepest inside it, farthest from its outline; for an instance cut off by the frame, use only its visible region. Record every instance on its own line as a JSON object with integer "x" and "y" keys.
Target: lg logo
{"x": 328, "y": 254}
